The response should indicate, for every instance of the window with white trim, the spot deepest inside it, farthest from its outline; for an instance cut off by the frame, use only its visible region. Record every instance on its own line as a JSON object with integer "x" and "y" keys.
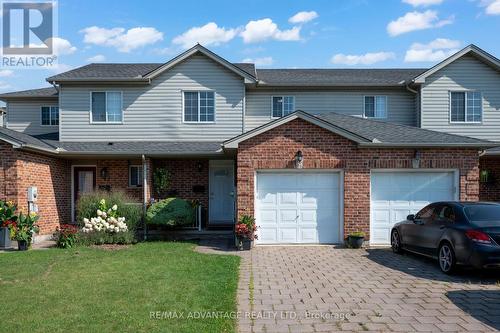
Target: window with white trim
{"x": 199, "y": 106}
{"x": 50, "y": 115}
{"x": 375, "y": 107}
{"x": 135, "y": 176}
{"x": 106, "y": 107}
{"x": 466, "y": 107}
{"x": 282, "y": 106}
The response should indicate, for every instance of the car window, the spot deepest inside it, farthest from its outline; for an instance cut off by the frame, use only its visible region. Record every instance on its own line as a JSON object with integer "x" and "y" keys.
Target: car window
{"x": 446, "y": 213}
{"x": 425, "y": 212}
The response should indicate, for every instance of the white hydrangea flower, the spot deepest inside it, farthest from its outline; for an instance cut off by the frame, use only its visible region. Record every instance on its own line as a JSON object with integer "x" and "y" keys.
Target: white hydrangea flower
{"x": 99, "y": 212}
{"x": 115, "y": 207}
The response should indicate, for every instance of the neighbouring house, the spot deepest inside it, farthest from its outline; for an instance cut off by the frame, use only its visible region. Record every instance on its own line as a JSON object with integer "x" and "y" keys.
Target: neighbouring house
{"x": 2, "y": 115}
{"x": 313, "y": 154}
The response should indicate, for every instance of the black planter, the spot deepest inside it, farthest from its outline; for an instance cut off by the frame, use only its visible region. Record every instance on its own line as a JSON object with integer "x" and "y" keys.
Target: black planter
{"x": 22, "y": 245}
{"x": 4, "y": 237}
{"x": 355, "y": 242}
{"x": 244, "y": 244}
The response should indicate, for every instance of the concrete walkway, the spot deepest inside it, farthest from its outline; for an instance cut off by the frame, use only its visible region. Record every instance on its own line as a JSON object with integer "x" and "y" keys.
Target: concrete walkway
{"x": 326, "y": 289}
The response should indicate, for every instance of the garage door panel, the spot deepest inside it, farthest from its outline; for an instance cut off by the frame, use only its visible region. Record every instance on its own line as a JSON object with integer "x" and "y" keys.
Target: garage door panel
{"x": 307, "y": 207}
{"x": 394, "y": 195}
{"x": 267, "y": 235}
{"x": 268, "y": 216}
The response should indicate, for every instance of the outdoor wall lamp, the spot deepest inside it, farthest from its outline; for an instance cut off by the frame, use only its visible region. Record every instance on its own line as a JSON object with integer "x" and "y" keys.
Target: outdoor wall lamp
{"x": 299, "y": 160}
{"x": 104, "y": 173}
{"x": 199, "y": 166}
{"x": 415, "y": 162}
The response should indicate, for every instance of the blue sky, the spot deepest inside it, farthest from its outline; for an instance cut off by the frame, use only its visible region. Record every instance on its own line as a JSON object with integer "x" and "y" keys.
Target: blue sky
{"x": 325, "y": 33}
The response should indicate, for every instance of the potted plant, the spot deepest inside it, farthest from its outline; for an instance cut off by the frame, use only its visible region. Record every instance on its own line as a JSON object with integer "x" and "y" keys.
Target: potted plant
{"x": 245, "y": 232}
{"x": 7, "y": 222}
{"x": 355, "y": 239}
{"x": 24, "y": 230}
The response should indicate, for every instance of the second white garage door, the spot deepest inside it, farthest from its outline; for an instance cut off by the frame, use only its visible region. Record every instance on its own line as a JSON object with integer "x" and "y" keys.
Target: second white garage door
{"x": 298, "y": 207}
{"x": 395, "y": 194}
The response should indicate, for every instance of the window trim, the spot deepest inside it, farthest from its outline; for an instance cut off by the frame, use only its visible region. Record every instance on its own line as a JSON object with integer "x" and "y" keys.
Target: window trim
{"x": 375, "y": 106}
{"x": 106, "y": 107}
{"x": 50, "y": 115}
{"x": 130, "y": 175}
{"x": 199, "y": 121}
{"x": 466, "y": 91}
{"x": 282, "y": 96}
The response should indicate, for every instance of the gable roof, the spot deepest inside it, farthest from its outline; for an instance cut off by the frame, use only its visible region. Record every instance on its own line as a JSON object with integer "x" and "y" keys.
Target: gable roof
{"x": 470, "y": 49}
{"x": 369, "y": 133}
{"x": 49, "y": 92}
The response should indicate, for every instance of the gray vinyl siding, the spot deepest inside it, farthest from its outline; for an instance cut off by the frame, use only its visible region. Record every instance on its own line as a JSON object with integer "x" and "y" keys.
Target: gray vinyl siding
{"x": 25, "y": 116}
{"x": 154, "y": 112}
{"x": 400, "y": 104}
{"x": 466, "y": 73}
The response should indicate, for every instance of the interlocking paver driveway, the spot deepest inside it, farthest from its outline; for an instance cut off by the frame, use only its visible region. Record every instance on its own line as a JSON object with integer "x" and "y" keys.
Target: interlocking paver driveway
{"x": 325, "y": 289}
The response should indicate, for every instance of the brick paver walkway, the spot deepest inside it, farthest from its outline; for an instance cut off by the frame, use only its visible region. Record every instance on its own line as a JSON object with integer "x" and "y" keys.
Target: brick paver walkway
{"x": 325, "y": 289}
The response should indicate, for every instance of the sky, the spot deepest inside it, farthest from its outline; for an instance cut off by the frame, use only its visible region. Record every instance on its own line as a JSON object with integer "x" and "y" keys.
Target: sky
{"x": 270, "y": 33}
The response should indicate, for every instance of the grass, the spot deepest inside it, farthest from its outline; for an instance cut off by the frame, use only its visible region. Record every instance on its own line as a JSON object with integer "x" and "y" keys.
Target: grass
{"x": 95, "y": 290}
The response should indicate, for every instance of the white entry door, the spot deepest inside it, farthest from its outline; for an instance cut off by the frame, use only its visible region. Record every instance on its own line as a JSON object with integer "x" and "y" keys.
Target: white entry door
{"x": 298, "y": 207}
{"x": 221, "y": 186}
{"x": 395, "y": 194}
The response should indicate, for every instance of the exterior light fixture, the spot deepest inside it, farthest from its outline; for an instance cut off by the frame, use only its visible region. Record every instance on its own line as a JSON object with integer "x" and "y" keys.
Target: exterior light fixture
{"x": 415, "y": 162}
{"x": 299, "y": 160}
{"x": 199, "y": 166}
{"x": 104, "y": 173}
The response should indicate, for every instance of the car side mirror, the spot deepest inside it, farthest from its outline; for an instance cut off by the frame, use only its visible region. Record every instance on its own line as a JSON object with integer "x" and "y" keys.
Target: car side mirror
{"x": 411, "y": 217}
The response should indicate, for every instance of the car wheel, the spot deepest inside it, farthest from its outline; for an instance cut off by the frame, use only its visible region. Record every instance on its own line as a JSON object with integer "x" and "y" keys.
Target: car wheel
{"x": 446, "y": 258}
{"x": 396, "y": 242}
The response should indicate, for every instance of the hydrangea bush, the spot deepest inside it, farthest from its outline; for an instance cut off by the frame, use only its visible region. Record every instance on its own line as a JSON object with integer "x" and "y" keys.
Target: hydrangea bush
{"x": 106, "y": 220}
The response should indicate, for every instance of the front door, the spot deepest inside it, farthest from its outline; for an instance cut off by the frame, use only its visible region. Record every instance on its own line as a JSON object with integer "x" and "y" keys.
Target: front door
{"x": 84, "y": 181}
{"x": 221, "y": 186}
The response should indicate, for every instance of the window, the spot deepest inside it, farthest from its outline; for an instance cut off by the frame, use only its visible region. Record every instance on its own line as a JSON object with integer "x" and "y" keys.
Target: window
{"x": 199, "y": 106}
{"x": 466, "y": 106}
{"x": 446, "y": 214}
{"x": 376, "y": 106}
{"x": 135, "y": 176}
{"x": 50, "y": 115}
{"x": 107, "y": 107}
{"x": 282, "y": 106}
{"x": 426, "y": 212}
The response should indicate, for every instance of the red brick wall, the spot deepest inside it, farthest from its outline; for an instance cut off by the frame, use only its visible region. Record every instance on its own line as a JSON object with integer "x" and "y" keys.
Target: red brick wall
{"x": 275, "y": 149}
{"x": 20, "y": 170}
{"x": 490, "y": 191}
{"x": 185, "y": 175}
{"x": 117, "y": 179}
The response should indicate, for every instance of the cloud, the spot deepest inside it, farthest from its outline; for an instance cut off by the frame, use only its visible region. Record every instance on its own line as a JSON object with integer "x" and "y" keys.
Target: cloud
{"x": 121, "y": 39}
{"x": 434, "y": 51}
{"x": 62, "y": 46}
{"x": 423, "y": 3}
{"x": 416, "y": 21}
{"x": 209, "y": 34}
{"x": 263, "y": 61}
{"x": 492, "y": 6}
{"x": 6, "y": 73}
{"x": 363, "y": 59}
{"x": 303, "y": 17}
{"x": 97, "y": 58}
{"x": 265, "y": 29}
{"x": 4, "y": 85}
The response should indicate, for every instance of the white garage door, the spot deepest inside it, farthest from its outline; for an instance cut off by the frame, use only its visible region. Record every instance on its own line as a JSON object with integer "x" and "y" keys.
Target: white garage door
{"x": 298, "y": 207}
{"x": 394, "y": 195}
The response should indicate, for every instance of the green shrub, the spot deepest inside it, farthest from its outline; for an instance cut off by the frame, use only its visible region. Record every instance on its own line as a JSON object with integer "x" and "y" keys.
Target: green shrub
{"x": 102, "y": 237}
{"x": 88, "y": 204}
{"x": 171, "y": 212}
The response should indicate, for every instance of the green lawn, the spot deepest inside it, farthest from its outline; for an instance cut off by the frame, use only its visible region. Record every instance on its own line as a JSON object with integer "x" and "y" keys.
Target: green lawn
{"x": 95, "y": 290}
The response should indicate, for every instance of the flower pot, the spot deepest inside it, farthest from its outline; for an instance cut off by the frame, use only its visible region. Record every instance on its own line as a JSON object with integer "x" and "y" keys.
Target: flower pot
{"x": 22, "y": 245}
{"x": 4, "y": 237}
{"x": 355, "y": 242}
{"x": 245, "y": 244}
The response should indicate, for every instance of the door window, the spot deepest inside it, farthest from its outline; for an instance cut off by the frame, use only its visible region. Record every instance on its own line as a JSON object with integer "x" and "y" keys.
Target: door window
{"x": 446, "y": 213}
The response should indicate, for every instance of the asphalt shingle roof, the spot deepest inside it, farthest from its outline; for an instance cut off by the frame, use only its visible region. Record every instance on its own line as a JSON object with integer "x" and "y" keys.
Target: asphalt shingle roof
{"x": 377, "y": 131}
{"x": 107, "y": 70}
{"x": 23, "y": 138}
{"x": 42, "y": 92}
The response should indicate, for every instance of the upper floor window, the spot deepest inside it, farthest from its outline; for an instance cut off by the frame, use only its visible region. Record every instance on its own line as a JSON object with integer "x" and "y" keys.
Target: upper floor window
{"x": 107, "y": 107}
{"x": 50, "y": 115}
{"x": 282, "y": 106}
{"x": 199, "y": 106}
{"x": 135, "y": 176}
{"x": 466, "y": 106}
{"x": 375, "y": 107}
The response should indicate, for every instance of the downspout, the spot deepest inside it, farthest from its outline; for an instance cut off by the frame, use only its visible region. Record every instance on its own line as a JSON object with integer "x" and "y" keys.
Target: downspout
{"x": 144, "y": 195}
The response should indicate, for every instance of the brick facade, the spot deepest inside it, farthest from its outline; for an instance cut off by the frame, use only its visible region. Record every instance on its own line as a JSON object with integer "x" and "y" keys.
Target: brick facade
{"x": 276, "y": 148}
{"x": 490, "y": 191}
{"x": 20, "y": 170}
